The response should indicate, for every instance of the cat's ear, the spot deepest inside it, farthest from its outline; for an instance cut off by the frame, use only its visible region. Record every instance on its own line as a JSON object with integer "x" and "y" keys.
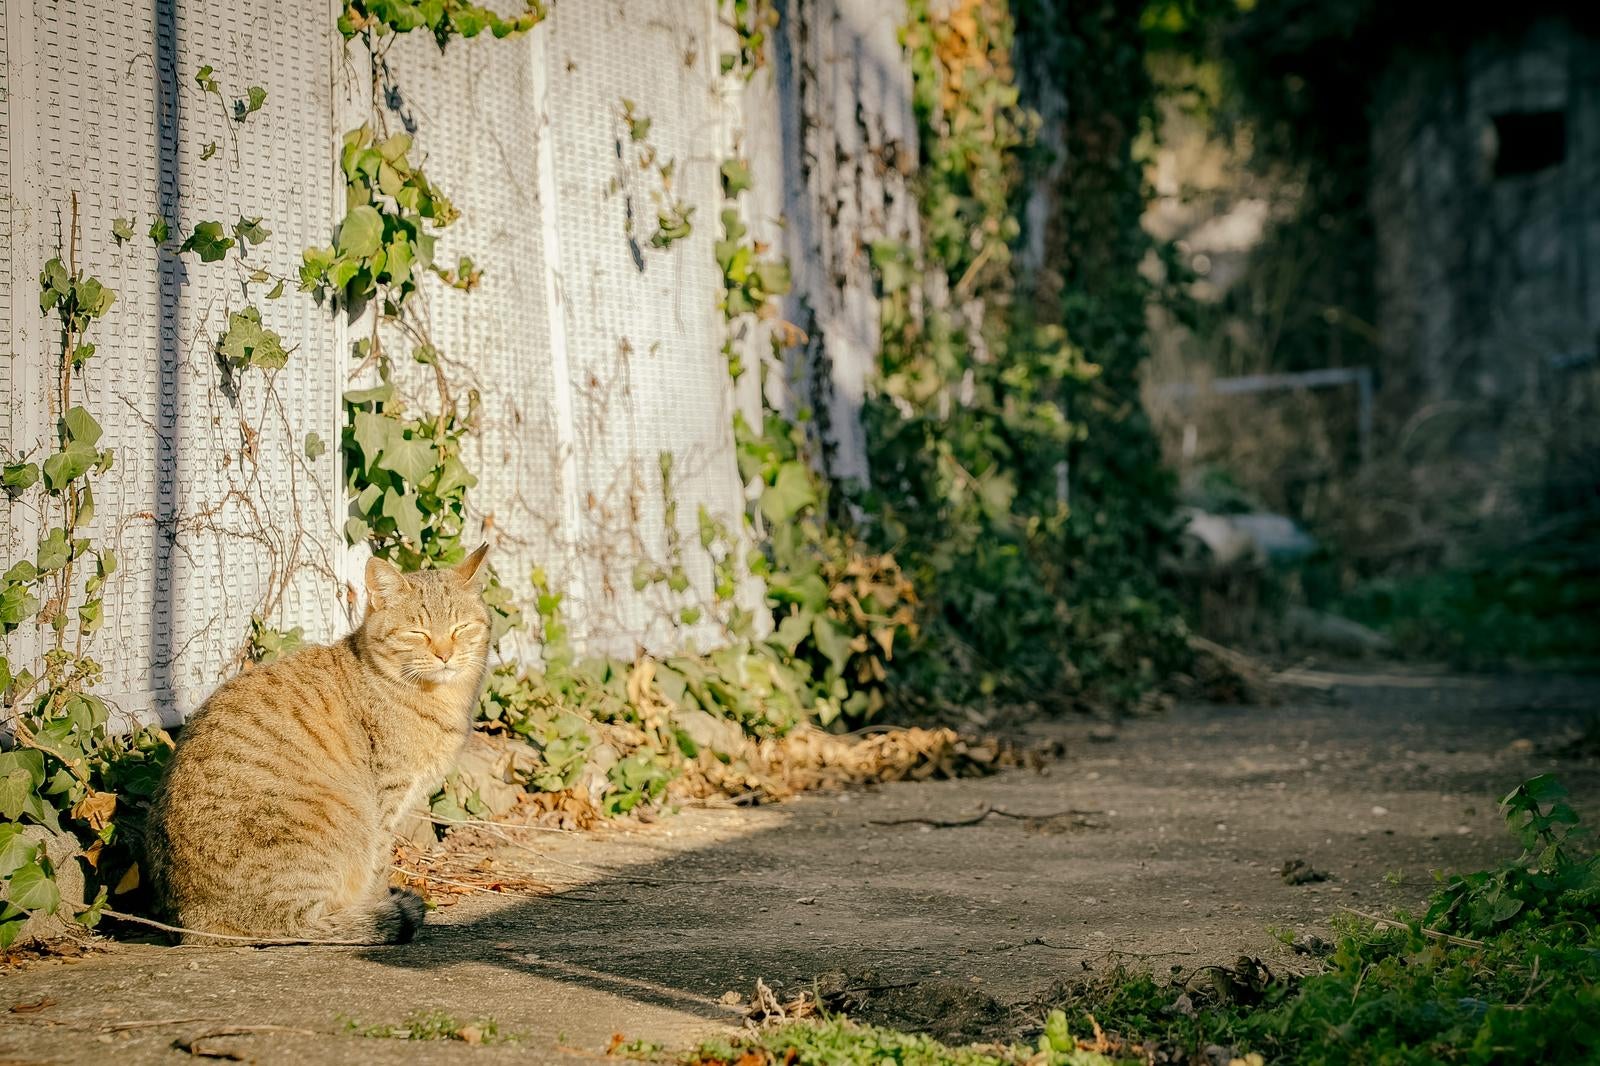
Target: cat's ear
{"x": 467, "y": 569}
{"x": 384, "y": 581}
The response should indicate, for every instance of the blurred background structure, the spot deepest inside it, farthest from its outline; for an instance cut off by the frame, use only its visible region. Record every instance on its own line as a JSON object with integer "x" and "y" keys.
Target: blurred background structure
{"x": 1386, "y": 309}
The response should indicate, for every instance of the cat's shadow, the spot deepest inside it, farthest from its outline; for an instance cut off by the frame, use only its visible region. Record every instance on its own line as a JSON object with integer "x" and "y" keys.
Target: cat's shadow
{"x": 678, "y": 933}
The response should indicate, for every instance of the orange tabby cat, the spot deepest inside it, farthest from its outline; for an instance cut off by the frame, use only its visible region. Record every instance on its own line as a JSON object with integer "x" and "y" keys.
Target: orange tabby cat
{"x": 276, "y": 817}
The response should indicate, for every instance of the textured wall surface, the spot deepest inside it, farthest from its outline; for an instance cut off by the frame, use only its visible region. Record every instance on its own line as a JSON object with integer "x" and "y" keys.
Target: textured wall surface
{"x": 211, "y": 506}
{"x": 594, "y": 351}
{"x": 834, "y": 130}
{"x": 1487, "y": 275}
{"x": 1489, "y": 264}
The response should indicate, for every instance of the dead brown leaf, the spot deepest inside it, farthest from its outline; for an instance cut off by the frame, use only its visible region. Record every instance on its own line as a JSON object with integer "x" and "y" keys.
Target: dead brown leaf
{"x": 96, "y": 808}
{"x": 128, "y": 882}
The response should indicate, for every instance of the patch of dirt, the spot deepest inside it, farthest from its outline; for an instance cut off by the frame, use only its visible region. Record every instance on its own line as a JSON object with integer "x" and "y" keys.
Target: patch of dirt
{"x": 956, "y": 1012}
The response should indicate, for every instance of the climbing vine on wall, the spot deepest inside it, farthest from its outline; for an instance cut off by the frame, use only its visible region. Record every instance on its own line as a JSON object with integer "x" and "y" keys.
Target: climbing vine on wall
{"x": 989, "y": 432}
{"x": 405, "y": 473}
{"x": 64, "y": 770}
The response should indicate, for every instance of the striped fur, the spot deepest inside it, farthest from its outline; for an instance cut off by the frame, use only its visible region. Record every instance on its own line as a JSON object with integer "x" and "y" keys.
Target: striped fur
{"x": 277, "y": 814}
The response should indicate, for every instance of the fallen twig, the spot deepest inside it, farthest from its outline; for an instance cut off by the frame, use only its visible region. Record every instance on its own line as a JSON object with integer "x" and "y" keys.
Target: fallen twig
{"x": 481, "y": 823}
{"x": 1449, "y": 938}
{"x": 426, "y": 876}
{"x": 194, "y": 1044}
{"x": 998, "y": 812}
{"x": 254, "y": 941}
{"x": 122, "y": 1027}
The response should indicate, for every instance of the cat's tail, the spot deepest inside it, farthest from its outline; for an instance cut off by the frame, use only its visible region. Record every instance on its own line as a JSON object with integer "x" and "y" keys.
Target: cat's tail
{"x": 390, "y": 919}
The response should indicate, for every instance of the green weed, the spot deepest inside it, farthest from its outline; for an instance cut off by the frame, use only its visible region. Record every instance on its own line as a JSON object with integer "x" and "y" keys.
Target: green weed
{"x": 838, "y": 1042}
{"x": 1540, "y": 603}
{"x": 434, "y": 1025}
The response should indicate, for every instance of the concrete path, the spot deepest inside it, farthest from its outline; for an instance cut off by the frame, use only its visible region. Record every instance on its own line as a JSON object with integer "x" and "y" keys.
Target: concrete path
{"x": 1159, "y": 847}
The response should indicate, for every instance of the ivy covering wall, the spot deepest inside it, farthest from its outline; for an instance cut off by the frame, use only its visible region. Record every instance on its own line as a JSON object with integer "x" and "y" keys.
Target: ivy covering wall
{"x": 1002, "y": 547}
{"x": 1010, "y": 459}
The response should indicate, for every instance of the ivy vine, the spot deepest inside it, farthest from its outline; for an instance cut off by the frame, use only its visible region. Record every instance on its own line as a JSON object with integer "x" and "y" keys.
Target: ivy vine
{"x": 1037, "y": 568}
{"x": 65, "y": 770}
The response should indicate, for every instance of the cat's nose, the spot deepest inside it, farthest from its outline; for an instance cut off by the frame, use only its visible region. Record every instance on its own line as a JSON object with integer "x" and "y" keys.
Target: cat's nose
{"x": 442, "y": 651}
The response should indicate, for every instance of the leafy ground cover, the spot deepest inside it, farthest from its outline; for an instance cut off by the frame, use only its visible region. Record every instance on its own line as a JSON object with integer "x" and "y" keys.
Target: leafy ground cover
{"x": 1540, "y": 603}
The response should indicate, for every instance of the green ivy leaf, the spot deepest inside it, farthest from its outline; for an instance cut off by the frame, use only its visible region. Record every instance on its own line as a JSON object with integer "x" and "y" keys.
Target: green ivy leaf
{"x": 79, "y": 427}
{"x": 314, "y": 266}
{"x": 791, "y": 491}
{"x": 393, "y": 149}
{"x": 832, "y": 641}
{"x": 398, "y": 262}
{"x": 453, "y": 475}
{"x": 255, "y": 97}
{"x": 16, "y": 850}
{"x": 91, "y": 917}
{"x": 208, "y": 242}
{"x": 315, "y": 446}
{"x": 54, "y": 551}
{"x": 122, "y": 229}
{"x": 85, "y": 512}
{"x": 369, "y": 501}
{"x": 54, "y": 284}
{"x": 773, "y": 277}
{"x": 248, "y": 343}
{"x": 361, "y": 232}
{"x": 411, "y": 458}
{"x": 209, "y": 150}
{"x": 19, "y": 477}
{"x": 735, "y": 177}
{"x": 94, "y": 299}
{"x": 14, "y": 789}
{"x": 17, "y": 605}
{"x": 30, "y": 888}
{"x": 250, "y": 230}
{"x": 371, "y": 433}
{"x": 402, "y": 509}
{"x": 160, "y": 230}
{"x": 68, "y": 464}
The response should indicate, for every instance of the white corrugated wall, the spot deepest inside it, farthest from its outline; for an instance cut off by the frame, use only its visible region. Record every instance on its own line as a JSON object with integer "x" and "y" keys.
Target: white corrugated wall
{"x": 593, "y": 351}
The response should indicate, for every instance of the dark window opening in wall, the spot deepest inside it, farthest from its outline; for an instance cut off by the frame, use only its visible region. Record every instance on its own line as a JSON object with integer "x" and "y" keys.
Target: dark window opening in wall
{"x": 1528, "y": 142}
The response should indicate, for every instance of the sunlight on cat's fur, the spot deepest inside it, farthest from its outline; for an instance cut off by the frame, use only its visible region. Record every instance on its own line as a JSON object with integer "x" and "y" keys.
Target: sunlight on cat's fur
{"x": 276, "y": 817}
